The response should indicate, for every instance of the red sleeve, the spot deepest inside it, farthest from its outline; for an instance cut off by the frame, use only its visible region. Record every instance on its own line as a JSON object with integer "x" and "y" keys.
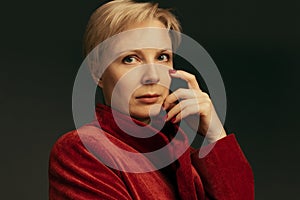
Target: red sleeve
{"x": 74, "y": 173}
{"x": 225, "y": 171}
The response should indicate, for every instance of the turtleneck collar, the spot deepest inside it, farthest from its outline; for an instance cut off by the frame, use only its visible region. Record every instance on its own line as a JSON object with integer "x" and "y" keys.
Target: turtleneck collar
{"x": 134, "y": 132}
{"x": 169, "y": 135}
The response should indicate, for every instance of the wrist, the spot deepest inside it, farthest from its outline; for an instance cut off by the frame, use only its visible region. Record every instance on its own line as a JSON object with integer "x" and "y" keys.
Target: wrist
{"x": 213, "y": 137}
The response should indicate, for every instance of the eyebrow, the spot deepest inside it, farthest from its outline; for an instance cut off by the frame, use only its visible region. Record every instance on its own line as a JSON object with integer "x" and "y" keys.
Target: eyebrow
{"x": 140, "y": 50}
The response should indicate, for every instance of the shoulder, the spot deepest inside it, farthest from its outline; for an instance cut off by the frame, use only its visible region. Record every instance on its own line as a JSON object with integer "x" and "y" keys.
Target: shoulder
{"x": 75, "y": 172}
{"x": 73, "y": 139}
{"x": 77, "y": 144}
{"x": 94, "y": 145}
{"x": 86, "y": 135}
{"x": 80, "y": 149}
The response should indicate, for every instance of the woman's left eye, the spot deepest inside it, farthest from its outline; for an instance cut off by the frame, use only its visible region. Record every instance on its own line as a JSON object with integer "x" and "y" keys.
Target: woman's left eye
{"x": 163, "y": 57}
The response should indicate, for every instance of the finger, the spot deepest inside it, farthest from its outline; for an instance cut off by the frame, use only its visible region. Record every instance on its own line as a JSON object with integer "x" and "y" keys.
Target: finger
{"x": 187, "y": 108}
{"x": 189, "y": 78}
{"x": 179, "y": 94}
{"x": 186, "y": 112}
{"x": 189, "y": 105}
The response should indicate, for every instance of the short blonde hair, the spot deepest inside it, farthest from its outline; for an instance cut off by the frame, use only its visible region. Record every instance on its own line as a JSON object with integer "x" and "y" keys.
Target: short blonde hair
{"x": 115, "y": 16}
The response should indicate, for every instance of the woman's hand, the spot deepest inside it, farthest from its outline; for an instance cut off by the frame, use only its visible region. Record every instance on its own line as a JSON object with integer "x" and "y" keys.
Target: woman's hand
{"x": 194, "y": 105}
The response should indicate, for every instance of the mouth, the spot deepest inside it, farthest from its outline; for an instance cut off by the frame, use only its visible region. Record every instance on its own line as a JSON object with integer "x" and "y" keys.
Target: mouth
{"x": 148, "y": 98}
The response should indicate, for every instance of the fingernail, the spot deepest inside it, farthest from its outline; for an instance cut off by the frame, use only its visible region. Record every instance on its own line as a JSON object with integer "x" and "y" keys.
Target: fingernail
{"x": 172, "y": 71}
{"x": 165, "y": 117}
{"x": 173, "y": 120}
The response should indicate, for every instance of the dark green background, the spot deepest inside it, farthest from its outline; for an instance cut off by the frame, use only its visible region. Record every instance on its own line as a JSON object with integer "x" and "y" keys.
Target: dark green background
{"x": 254, "y": 43}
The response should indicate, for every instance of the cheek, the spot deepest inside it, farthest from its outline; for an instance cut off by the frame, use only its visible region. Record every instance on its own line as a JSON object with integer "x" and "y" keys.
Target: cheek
{"x": 127, "y": 85}
{"x": 109, "y": 81}
{"x": 123, "y": 89}
{"x": 165, "y": 79}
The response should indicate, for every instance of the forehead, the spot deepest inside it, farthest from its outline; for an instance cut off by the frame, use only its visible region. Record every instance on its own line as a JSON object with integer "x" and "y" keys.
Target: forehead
{"x": 141, "y": 38}
{"x": 150, "y": 33}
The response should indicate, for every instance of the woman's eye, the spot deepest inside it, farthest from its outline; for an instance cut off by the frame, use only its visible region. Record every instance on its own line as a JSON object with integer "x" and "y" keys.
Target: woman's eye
{"x": 163, "y": 57}
{"x": 130, "y": 60}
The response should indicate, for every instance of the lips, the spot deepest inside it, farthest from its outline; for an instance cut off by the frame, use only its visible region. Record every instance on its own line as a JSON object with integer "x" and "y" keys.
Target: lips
{"x": 148, "y": 98}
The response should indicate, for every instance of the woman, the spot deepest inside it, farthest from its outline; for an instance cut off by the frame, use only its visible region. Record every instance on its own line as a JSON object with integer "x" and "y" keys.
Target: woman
{"x": 135, "y": 81}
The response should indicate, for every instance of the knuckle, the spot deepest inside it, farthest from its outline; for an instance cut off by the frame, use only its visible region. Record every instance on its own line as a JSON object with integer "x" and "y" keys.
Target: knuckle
{"x": 190, "y": 109}
{"x": 206, "y": 106}
{"x": 191, "y": 77}
{"x": 205, "y": 95}
{"x": 184, "y": 104}
{"x": 179, "y": 92}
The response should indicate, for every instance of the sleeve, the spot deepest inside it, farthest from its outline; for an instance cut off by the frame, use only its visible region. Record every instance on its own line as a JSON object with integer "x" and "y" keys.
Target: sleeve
{"x": 74, "y": 173}
{"x": 225, "y": 171}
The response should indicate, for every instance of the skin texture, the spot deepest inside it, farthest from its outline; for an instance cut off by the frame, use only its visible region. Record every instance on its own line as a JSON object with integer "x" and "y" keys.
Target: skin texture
{"x": 137, "y": 83}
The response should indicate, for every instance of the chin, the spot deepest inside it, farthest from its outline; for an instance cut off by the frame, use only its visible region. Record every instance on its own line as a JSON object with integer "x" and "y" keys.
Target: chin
{"x": 143, "y": 112}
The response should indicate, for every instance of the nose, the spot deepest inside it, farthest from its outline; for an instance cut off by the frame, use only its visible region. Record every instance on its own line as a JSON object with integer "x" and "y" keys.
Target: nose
{"x": 150, "y": 75}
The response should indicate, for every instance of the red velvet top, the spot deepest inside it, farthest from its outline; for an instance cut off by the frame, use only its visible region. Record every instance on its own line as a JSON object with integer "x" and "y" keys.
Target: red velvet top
{"x": 78, "y": 165}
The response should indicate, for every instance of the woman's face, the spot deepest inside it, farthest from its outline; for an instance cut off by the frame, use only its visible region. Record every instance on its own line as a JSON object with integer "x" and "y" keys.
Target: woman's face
{"x": 138, "y": 81}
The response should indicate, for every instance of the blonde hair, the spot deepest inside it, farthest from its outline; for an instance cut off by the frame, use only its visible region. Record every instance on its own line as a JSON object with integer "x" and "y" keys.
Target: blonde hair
{"x": 115, "y": 16}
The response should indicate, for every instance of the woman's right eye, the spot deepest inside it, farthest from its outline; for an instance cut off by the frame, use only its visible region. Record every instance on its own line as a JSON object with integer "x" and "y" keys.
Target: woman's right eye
{"x": 130, "y": 60}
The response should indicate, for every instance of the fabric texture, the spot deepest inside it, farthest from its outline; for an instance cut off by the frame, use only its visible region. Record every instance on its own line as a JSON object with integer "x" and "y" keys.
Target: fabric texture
{"x": 86, "y": 165}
